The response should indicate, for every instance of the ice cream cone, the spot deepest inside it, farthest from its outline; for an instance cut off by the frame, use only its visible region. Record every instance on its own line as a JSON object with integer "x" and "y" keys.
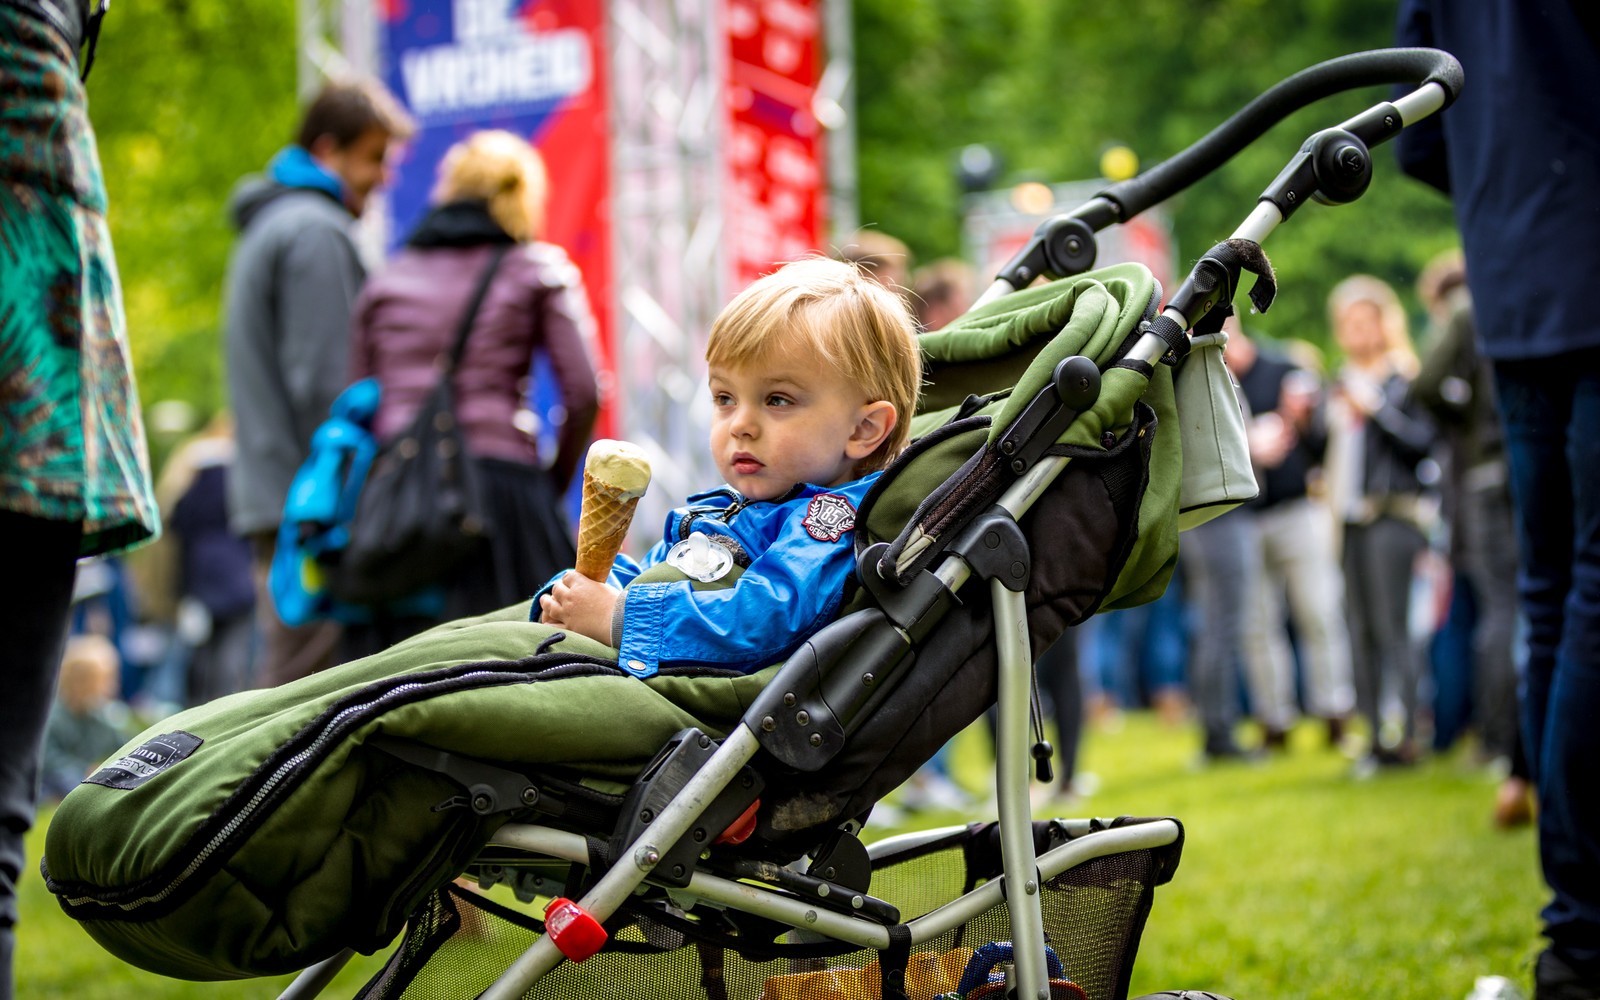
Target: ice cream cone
{"x": 615, "y": 476}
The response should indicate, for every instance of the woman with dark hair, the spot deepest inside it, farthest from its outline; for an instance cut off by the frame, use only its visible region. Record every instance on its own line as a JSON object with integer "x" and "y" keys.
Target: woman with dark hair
{"x": 490, "y": 194}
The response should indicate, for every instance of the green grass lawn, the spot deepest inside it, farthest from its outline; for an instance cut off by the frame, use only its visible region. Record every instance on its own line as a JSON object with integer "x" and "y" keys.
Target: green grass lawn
{"x": 1296, "y": 881}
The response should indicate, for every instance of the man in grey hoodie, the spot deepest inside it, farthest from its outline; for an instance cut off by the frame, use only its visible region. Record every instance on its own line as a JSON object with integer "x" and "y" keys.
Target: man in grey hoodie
{"x": 292, "y": 278}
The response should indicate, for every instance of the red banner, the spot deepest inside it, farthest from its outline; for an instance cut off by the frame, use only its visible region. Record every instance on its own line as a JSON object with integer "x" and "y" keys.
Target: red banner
{"x": 774, "y": 155}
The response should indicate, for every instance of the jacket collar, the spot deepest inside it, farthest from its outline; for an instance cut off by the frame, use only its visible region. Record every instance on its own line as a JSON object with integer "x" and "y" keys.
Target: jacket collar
{"x": 458, "y": 224}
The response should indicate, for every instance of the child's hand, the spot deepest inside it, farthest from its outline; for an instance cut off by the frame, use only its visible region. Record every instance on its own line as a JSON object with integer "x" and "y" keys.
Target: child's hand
{"x": 582, "y": 605}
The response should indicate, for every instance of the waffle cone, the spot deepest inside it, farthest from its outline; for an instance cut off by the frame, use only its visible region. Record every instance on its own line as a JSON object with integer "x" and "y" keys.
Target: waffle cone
{"x": 603, "y": 523}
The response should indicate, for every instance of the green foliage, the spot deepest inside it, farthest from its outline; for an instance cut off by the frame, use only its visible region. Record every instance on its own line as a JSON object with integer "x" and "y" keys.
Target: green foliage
{"x": 1050, "y": 85}
{"x": 186, "y": 98}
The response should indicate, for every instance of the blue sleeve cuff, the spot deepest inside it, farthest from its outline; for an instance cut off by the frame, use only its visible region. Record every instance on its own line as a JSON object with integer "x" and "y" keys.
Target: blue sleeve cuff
{"x": 639, "y": 651}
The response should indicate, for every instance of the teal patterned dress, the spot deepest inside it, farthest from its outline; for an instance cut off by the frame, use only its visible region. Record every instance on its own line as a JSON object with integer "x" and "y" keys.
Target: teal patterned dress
{"x": 72, "y": 444}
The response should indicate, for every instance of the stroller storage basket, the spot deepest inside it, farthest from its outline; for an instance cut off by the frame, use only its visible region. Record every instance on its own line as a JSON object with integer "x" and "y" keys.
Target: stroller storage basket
{"x": 1098, "y": 880}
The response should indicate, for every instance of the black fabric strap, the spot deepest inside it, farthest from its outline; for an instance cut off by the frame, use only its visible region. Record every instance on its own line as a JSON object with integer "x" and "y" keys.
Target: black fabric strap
{"x": 1172, "y": 334}
{"x": 892, "y": 962}
{"x": 91, "y": 37}
{"x": 467, "y": 318}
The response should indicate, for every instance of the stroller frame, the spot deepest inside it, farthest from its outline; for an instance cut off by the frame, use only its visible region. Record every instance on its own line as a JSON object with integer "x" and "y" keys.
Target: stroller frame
{"x": 993, "y": 548}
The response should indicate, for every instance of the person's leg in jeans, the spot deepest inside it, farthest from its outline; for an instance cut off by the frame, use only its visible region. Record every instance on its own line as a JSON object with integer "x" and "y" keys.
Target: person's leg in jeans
{"x": 1551, "y": 410}
{"x": 1268, "y": 661}
{"x": 1316, "y": 604}
{"x": 1219, "y": 564}
{"x": 34, "y": 605}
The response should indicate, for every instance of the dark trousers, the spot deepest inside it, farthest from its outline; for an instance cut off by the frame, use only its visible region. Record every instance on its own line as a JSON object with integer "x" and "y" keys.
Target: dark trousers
{"x": 1378, "y": 563}
{"x": 1551, "y": 410}
{"x": 1490, "y": 558}
{"x": 35, "y": 600}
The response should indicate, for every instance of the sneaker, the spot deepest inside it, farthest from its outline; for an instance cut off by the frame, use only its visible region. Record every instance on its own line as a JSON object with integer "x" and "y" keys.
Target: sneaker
{"x": 1494, "y": 988}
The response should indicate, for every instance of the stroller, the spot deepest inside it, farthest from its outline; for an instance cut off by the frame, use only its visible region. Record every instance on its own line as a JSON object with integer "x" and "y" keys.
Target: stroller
{"x": 707, "y": 846}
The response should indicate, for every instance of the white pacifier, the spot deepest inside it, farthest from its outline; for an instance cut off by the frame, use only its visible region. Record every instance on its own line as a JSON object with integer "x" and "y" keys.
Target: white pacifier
{"x": 699, "y": 558}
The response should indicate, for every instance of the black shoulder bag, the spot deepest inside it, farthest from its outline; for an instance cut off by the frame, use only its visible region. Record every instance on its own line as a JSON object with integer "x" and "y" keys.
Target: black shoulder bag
{"x": 421, "y": 512}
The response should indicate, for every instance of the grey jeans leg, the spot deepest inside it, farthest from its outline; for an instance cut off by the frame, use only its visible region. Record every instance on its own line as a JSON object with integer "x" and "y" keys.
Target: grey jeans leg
{"x": 1219, "y": 566}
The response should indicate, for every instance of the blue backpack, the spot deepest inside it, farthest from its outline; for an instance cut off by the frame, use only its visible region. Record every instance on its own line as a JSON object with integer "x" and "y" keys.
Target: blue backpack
{"x": 316, "y": 517}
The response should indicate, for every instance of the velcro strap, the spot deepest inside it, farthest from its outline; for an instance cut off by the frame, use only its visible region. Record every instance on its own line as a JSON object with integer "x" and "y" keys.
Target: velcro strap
{"x": 1246, "y": 255}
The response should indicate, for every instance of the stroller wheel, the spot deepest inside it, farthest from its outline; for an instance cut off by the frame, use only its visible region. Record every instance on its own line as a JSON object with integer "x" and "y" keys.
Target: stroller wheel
{"x": 1183, "y": 995}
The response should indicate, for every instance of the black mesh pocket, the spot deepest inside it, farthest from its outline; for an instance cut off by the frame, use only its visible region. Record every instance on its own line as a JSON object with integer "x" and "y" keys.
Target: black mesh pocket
{"x": 460, "y": 940}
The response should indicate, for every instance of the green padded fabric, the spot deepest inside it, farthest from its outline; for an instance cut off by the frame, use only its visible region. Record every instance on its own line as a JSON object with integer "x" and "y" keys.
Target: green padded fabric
{"x": 353, "y": 842}
{"x": 1015, "y": 343}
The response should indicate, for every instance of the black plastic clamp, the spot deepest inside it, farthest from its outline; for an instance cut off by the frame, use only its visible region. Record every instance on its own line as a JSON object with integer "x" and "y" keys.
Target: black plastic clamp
{"x": 656, "y": 789}
{"x": 1074, "y": 387}
{"x": 994, "y": 546}
{"x": 488, "y": 789}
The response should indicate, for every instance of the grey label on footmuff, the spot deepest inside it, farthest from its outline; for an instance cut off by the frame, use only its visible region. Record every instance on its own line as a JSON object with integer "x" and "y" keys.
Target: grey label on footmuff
{"x": 146, "y": 760}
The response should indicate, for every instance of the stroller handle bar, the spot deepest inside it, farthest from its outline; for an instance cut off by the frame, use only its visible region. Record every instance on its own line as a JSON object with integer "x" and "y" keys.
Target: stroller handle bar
{"x": 1064, "y": 244}
{"x": 1360, "y": 69}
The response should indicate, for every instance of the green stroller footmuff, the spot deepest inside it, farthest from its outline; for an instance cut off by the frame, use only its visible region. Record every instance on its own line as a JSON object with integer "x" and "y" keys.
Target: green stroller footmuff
{"x": 264, "y": 831}
{"x": 267, "y": 830}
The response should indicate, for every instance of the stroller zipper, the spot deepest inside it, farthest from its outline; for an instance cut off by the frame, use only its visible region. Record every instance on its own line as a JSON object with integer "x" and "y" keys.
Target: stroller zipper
{"x": 284, "y": 770}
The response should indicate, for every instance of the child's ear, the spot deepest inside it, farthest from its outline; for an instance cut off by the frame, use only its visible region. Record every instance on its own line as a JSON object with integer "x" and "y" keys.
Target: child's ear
{"x": 874, "y": 421}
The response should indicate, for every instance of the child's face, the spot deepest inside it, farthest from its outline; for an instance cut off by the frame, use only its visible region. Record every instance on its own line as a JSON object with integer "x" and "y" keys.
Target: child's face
{"x": 786, "y": 420}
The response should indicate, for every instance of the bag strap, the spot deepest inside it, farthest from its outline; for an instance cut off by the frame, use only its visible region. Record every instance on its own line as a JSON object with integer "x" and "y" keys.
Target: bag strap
{"x": 470, "y": 316}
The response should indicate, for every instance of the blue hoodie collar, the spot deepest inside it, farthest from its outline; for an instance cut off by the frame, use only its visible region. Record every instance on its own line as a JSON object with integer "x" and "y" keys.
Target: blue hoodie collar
{"x": 295, "y": 167}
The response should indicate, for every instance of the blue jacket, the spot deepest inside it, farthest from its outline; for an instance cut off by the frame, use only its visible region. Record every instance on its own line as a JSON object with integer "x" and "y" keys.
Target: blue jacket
{"x": 1519, "y": 153}
{"x": 797, "y": 552}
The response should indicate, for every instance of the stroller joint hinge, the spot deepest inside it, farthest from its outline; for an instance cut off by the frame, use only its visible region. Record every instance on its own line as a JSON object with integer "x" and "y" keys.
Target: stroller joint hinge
{"x": 994, "y": 546}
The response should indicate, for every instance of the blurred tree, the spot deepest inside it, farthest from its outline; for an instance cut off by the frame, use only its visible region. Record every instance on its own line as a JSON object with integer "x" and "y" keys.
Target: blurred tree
{"x": 1050, "y": 83}
{"x": 186, "y": 98}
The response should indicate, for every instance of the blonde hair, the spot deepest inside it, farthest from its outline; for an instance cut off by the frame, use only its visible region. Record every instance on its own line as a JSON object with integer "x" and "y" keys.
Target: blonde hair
{"x": 833, "y": 310}
{"x": 89, "y": 668}
{"x": 503, "y": 171}
{"x": 1364, "y": 288}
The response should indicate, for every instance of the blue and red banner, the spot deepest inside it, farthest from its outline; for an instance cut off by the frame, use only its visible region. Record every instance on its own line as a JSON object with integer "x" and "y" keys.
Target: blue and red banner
{"x": 533, "y": 67}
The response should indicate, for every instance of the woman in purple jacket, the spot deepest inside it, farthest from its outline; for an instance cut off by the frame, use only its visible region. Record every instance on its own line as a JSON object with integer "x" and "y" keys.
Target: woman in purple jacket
{"x": 491, "y": 192}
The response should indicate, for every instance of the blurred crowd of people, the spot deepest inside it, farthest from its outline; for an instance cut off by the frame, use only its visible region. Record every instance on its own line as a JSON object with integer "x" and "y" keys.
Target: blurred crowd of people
{"x": 1369, "y": 588}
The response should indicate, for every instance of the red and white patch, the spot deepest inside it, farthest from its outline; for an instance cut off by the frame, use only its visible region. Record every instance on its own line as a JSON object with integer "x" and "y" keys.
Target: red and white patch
{"x": 829, "y": 518}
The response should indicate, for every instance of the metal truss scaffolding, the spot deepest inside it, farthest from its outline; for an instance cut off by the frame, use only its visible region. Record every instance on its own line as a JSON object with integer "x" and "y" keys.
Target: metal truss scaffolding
{"x": 667, "y": 67}
{"x": 668, "y": 233}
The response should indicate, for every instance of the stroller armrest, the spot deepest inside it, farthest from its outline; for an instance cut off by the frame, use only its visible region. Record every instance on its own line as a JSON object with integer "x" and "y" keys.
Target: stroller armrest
{"x": 802, "y": 717}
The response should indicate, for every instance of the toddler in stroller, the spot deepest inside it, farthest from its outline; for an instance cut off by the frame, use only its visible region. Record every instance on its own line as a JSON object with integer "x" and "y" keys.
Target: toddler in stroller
{"x": 692, "y": 833}
{"x": 814, "y": 375}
